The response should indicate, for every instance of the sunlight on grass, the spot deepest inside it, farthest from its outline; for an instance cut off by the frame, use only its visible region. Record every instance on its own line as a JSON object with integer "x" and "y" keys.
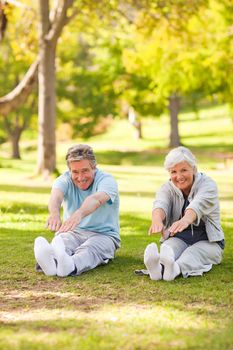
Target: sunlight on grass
{"x": 110, "y": 308}
{"x": 136, "y": 315}
{"x": 142, "y": 324}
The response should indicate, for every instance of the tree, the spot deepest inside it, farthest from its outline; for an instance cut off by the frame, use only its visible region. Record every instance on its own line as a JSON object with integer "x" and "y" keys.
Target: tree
{"x": 51, "y": 22}
{"x": 16, "y": 56}
{"x": 20, "y": 93}
{"x": 51, "y": 25}
{"x": 153, "y": 58}
{"x": 18, "y": 121}
{"x": 167, "y": 53}
{"x": 85, "y": 91}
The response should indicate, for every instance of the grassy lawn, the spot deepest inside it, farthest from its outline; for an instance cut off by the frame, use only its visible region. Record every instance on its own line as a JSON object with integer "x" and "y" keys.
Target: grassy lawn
{"x": 110, "y": 307}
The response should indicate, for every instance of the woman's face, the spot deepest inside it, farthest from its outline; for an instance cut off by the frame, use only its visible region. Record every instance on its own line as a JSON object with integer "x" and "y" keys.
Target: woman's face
{"x": 182, "y": 176}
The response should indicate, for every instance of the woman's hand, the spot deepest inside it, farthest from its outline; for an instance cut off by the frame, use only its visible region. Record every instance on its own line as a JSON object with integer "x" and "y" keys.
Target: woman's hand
{"x": 179, "y": 226}
{"x": 156, "y": 227}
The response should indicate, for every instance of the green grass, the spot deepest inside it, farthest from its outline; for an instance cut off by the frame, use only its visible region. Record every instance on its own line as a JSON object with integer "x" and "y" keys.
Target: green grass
{"x": 110, "y": 307}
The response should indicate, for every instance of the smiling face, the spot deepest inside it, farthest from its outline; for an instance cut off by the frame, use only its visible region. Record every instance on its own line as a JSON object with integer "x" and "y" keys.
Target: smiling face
{"x": 82, "y": 173}
{"x": 182, "y": 176}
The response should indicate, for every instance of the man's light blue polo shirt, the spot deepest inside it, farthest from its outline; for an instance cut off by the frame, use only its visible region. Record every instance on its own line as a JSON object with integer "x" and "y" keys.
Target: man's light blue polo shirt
{"x": 105, "y": 219}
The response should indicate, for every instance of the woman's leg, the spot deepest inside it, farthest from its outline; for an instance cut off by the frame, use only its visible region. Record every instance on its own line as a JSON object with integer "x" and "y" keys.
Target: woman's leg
{"x": 199, "y": 258}
{"x": 170, "y": 250}
{"x": 151, "y": 260}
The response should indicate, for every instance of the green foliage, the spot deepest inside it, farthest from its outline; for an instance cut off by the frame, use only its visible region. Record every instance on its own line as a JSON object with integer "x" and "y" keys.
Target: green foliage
{"x": 116, "y": 54}
{"x": 18, "y": 51}
{"x": 182, "y": 54}
{"x": 85, "y": 92}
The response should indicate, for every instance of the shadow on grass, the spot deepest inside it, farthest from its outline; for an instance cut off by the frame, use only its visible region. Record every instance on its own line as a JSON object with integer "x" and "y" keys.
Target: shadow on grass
{"x": 18, "y": 188}
{"x": 216, "y": 151}
{"x": 125, "y": 327}
{"x": 139, "y": 194}
{"x": 207, "y": 135}
{"x": 148, "y": 157}
{"x": 155, "y": 157}
{"x": 121, "y": 331}
{"x": 23, "y": 208}
{"x": 226, "y": 198}
{"x": 131, "y": 220}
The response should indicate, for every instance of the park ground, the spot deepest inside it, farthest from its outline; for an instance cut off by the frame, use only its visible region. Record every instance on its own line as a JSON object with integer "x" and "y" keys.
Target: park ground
{"x": 110, "y": 307}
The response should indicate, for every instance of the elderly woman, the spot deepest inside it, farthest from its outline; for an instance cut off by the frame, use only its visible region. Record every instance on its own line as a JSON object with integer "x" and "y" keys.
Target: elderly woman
{"x": 186, "y": 213}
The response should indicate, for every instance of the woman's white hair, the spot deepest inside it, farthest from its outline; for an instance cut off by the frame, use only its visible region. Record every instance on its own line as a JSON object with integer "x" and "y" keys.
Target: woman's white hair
{"x": 178, "y": 155}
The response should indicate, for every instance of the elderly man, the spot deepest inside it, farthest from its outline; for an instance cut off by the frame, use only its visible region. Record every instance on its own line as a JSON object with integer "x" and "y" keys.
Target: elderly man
{"x": 89, "y": 234}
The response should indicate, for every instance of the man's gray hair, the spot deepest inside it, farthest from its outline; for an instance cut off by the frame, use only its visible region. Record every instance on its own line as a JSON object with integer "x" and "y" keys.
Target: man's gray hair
{"x": 80, "y": 152}
{"x": 178, "y": 155}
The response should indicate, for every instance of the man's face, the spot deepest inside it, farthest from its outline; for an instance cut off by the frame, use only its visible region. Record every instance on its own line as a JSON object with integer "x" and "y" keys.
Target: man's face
{"x": 82, "y": 173}
{"x": 182, "y": 176}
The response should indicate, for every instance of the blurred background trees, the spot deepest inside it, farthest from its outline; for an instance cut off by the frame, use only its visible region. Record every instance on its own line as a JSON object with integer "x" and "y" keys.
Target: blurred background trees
{"x": 107, "y": 57}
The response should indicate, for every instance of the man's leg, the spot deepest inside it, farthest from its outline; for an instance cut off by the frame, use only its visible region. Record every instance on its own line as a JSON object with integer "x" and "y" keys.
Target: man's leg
{"x": 72, "y": 240}
{"x": 44, "y": 256}
{"x": 96, "y": 250}
{"x": 64, "y": 246}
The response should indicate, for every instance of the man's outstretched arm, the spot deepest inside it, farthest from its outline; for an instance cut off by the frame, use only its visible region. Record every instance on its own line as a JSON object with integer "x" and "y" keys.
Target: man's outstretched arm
{"x": 54, "y": 220}
{"x": 89, "y": 205}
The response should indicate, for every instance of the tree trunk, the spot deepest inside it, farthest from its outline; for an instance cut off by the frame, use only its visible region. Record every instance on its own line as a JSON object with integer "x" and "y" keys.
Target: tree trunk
{"x": 174, "y": 106}
{"x": 47, "y": 114}
{"x": 138, "y": 126}
{"x": 15, "y": 137}
{"x": 132, "y": 117}
{"x": 46, "y": 161}
{"x": 51, "y": 25}
{"x": 14, "y": 131}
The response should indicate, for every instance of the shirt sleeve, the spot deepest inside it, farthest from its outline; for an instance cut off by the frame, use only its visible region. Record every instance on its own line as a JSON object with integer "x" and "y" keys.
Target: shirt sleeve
{"x": 61, "y": 183}
{"x": 163, "y": 200}
{"x": 205, "y": 199}
{"x": 108, "y": 185}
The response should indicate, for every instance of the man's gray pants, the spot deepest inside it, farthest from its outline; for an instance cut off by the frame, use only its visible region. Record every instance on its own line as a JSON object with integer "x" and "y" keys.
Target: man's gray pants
{"x": 195, "y": 259}
{"x": 89, "y": 249}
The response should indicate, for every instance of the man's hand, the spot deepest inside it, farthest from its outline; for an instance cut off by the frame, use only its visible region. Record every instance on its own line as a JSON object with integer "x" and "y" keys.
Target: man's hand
{"x": 54, "y": 222}
{"x": 72, "y": 222}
